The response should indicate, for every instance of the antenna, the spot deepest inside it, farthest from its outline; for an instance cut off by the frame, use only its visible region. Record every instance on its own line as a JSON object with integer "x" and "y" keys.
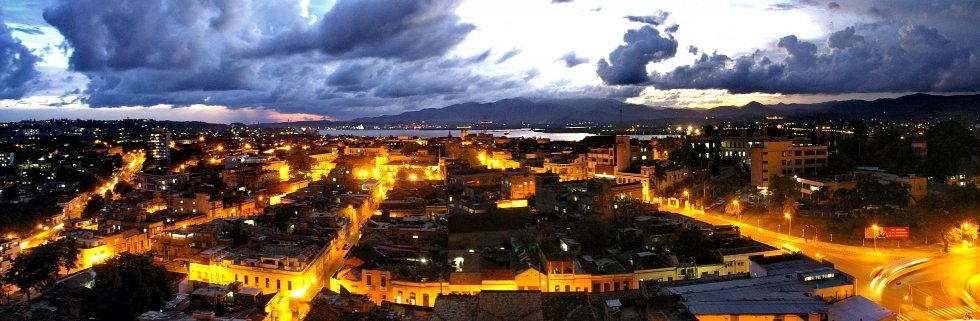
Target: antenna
{"x": 621, "y": 128}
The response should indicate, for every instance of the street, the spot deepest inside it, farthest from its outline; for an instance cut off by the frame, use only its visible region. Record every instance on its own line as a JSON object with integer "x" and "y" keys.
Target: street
{"x": 940, "y": 287}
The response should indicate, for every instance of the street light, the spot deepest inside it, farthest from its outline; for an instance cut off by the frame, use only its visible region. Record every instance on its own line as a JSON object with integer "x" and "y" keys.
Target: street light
{"x": 738, "y": 210}
{"x": 789, "y": 230}
{"x": 687, "y": 200}
{"x": 874, "y": 236}
{"x": 963, "y": 229}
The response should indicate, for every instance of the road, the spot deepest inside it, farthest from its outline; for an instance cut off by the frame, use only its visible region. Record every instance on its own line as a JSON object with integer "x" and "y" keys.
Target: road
{"x": 946, "y": 278}
{"x": 132, "y": 163}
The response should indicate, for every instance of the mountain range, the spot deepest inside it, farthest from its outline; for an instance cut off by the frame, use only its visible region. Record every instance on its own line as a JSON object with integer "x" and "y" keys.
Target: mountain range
{"x": 522, "y": 111}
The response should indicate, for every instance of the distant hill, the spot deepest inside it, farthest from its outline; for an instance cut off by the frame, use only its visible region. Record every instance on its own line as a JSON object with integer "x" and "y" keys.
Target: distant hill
{"x": 524, "y": 111}
{"x": 518, "y": 111}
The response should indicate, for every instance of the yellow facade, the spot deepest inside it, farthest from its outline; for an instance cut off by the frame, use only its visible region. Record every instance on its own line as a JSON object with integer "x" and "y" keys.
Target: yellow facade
{"x": 298, "y": 281}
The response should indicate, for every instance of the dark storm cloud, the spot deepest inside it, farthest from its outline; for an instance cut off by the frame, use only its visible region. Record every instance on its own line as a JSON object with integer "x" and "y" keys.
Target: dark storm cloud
{"x": 17, "y": 70}
{"x": 572, "y": 60}
{"x": 247, "y": 53}
{"x": 921, "y": 59}
{"x": 655, "y": 19}
{"x": 405, "y": 30}
{"x": 627, "y": 63}
{"x": 833, "y": 5}
{"x": 561, "y": 1}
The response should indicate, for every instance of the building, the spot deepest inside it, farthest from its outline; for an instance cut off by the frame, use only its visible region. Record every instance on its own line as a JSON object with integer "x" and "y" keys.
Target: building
{"x": 9, "y": 249}
{"x": 784, "y": 158}
{"x": 739, "y": 147}
{"x": 160, "y": 182}
{"x": 290, "y": 269}
{"x": 196, "y": 203}
{"x": 569, "y": 169}
{"x": 810, "y": 186}
{"x": 6, "y": 159}
{"x": 158, "y": 146}
{"x": 517, "y": 186}
{"x": 605, "y": 161}
{"x": 787, "y": 287}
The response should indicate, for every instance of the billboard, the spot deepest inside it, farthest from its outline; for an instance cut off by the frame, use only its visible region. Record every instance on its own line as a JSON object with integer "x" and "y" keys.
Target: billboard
{"x": 887, "y": 232}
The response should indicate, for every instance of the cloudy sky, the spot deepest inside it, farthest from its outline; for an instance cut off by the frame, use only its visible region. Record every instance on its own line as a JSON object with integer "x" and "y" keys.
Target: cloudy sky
{"x": 277, "y": 60}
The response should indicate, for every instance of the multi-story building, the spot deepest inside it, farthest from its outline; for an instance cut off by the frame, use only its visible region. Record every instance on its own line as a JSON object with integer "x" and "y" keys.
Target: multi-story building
{"x": 739, "y": 147}
{"x": 517, "y": 186}
{"x": 569, "y": 169}
{"x": 158, "y": 146}
{"x": 776, "y": 158}
{"x": 160, "y": 182}
{"x": 6, "y": 159}
{"x": 292, "y": 269}
{"x": 605, "y": 161}
{"x": 9, "y": 249}
{"x": 196, "y": 203}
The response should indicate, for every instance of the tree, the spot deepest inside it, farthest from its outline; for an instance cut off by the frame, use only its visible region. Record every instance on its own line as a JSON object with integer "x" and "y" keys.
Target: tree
{"x": 940, "y": 216}
{"x": 10, "y": 194}
{"x": 34, "y": 270}
{"x": 236, "y": 232}
{"x": 68, "y": 251}
{"x": 782, "y": 189}
{"x": 6, "y": 288}
{"x": 94, "y": 206}
{"x": 594, "y": 233}
{"x": 949, "y": 144}
{"x": 128, "y": 285}
{"x": 299, "y": 162}
{"x": 624, "y": 209}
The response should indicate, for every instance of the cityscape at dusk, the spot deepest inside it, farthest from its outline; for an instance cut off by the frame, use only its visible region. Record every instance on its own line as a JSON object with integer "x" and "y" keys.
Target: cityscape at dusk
{"x": 245, "y": 160}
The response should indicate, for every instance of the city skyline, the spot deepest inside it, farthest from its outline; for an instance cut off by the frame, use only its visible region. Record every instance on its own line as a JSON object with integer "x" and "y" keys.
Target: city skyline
{"x": 251, "y": 61}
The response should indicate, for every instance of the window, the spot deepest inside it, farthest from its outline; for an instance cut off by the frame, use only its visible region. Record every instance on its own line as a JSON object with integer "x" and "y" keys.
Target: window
{"x": 236, "y": 277}
{"x": 246, "y": 279}
{"x": 384, "y": 281}
{"x": 266, "y": 282}
{"x": 368, "y": 279}
{"x": 557, "y": 288}
{"x": 567, "y": 288}
{"x": 256, "y": 281}
{"x": 289, "y": 285}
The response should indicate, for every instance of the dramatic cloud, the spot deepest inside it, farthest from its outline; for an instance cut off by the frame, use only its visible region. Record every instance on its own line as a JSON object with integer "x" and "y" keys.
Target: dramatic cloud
{"x": 406, "y": 30}
{"x": 260, "y": 53}
{"x": 16, "y": 65}
{"x": 572, "y": 60}
{"x": 655, "y": 19}
{"x": 627, "y": 63}
{"x": 921, "y": 59}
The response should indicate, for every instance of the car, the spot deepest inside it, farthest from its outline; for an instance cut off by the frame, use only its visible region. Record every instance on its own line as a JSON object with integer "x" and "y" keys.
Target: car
{"x": 876, "y": 272}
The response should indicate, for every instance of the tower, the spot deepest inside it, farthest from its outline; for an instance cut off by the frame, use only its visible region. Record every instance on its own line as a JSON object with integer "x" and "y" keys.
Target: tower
{"x": 158, "y": 146}
{"x": 622, "y": 153}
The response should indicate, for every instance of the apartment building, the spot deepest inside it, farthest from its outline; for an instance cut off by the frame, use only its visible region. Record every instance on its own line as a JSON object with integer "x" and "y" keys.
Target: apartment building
{"x": 784, "y": 158}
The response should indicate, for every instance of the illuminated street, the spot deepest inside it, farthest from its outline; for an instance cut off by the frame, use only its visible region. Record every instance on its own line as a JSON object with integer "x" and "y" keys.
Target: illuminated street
{"x": 944, "y": 278}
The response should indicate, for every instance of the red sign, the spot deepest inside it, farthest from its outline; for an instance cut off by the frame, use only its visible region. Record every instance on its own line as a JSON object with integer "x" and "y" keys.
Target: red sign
{"x": 887, "y": 232}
